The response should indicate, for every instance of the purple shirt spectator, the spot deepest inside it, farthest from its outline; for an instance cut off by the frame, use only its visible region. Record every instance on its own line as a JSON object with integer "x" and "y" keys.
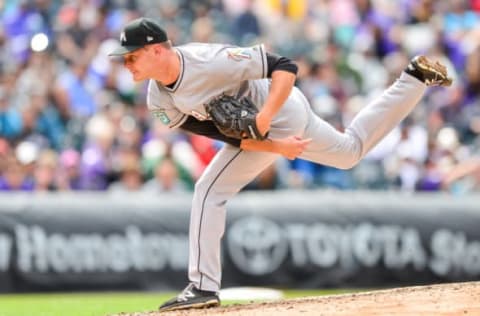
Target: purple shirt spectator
{"x": 25, "y": 184}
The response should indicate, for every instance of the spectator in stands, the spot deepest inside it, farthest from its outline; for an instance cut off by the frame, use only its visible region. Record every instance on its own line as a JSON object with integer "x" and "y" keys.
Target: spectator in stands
{"x": 68, "y": 176}
{"x": 127, "y": 167}
{"x": 10, "y": 118}
{"x": 463, "y": 178}
{"x": 161, "y": 142}
{"x": 73, "y": 92}
{"x": 166, "y": 179}
{"x": 245, "y": 26}
{"x": 44, "y": 174}
{"x": 130, "y": 179}
{"x": 96, "y": 162}
{"x": 14, "y": 176}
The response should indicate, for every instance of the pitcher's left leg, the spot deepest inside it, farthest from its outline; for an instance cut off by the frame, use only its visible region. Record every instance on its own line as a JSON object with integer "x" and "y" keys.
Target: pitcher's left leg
{"x": 379, "y": 117}
{"x": 344, "y": 150}
{"x": 382, "y": 115}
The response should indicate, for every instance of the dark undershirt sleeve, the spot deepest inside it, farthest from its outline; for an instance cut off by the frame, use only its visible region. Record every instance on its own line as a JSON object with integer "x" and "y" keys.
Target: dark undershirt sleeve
{"x": 208, "y": 129}
{"x": 275, "y": 62}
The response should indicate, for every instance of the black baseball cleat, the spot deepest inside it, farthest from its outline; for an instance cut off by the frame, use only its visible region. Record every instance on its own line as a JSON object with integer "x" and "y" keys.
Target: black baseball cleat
{"x": 191, "y": 297}
{"x": 429, "y": 72}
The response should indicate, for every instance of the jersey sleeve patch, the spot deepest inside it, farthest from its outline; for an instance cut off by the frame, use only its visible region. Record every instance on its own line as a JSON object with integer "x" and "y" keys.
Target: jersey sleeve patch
{"x": 162, "y": 116}
{"x": 238, "y": 54}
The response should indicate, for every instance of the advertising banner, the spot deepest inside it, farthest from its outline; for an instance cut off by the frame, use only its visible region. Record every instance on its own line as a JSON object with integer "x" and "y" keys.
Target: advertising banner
{"x": 280, "y": 239}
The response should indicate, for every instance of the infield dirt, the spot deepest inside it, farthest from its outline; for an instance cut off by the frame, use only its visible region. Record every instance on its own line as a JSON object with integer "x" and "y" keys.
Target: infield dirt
{"x": 434, "y": 300}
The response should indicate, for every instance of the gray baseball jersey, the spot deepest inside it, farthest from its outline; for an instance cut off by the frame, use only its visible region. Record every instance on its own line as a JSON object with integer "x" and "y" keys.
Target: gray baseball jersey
{"x": 208, "y": 70}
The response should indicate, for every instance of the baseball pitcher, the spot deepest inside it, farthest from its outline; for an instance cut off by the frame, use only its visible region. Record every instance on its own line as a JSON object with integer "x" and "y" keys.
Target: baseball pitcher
{"x": 245, "y": 97}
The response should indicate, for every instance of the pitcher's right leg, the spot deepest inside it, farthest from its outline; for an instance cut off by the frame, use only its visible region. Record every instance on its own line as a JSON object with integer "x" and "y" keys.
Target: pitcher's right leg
{"x": 229, "y": 171}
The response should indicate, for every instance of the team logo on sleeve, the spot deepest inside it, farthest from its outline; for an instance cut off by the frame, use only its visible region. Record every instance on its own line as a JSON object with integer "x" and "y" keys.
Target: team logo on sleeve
{"x": 162, "y": 116}
{"x": 238, "y": 54}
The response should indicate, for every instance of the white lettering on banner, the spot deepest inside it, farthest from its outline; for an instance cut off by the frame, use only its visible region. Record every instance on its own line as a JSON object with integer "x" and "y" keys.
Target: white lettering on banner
{"x": 296, "y": 235}
{"x": 322, "y": 246}
{"x": 327, "y": 245}
{"x": 259, "y": 246}
{"x": 367, "y": 245}
{"x": 132, "y": 250}
{"x": 412, "y": 251}
{"x": 453, "y": 254}
{"x": 5, "y": 252}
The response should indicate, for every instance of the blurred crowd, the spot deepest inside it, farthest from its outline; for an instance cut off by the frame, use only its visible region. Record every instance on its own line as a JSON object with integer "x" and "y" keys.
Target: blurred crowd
{"x": 73, "y": 119}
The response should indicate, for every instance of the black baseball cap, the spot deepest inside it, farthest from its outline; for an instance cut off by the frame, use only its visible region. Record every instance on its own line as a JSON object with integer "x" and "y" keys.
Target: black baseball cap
{"x": 138, "y": 33}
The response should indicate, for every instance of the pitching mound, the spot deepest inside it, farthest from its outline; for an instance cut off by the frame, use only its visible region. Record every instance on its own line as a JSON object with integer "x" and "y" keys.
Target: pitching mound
{"x": 439, "y": 300}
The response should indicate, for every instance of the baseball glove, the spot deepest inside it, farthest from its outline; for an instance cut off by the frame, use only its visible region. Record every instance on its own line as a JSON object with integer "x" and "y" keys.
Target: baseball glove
{"x": 235, "y": 118}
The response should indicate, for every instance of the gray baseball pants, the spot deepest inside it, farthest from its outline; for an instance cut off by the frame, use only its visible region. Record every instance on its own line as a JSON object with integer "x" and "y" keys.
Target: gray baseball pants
{"x": 232, "y": 168}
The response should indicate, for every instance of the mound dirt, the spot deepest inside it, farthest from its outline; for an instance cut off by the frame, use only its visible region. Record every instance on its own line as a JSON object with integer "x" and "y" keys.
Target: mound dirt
{"x": 434, "y": 300}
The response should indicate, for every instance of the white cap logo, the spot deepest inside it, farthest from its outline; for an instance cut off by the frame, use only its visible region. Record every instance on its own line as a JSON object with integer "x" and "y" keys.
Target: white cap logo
{"x": 149, "y": 38}
{"x": 123, "y": 37}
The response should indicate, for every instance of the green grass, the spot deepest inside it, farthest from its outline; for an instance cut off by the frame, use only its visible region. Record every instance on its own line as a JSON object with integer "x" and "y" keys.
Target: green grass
{"x": 303, "y": 293}
{"x": 101, "y": 304}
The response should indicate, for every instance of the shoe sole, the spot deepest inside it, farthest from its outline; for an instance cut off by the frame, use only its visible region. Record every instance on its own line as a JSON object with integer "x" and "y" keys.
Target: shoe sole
{"x": 199, "y": 305}
{"x": 425, "y": 64}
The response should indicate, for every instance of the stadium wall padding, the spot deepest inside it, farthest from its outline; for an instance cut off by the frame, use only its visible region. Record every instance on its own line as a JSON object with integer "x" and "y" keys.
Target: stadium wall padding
{"x": 284, "y": 239}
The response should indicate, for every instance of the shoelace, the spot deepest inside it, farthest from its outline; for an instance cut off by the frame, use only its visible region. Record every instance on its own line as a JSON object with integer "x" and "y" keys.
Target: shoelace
{"x": 186, "y": 294}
